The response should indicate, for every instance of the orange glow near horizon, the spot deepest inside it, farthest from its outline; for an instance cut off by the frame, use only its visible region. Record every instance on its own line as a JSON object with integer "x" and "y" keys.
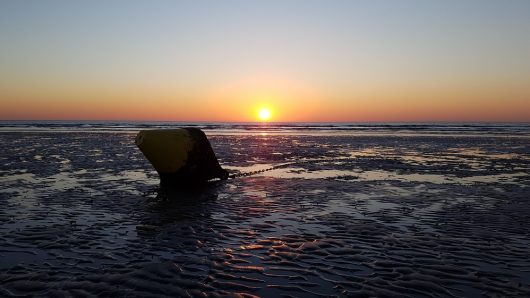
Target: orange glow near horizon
{"x": 286, "y": 99}
{"x": 242, "y": 107}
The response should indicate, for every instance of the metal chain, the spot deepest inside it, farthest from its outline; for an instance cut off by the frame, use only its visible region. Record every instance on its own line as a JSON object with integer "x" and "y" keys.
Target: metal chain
{"x": 245, "y": 174}
{"x": 284, "y": 165}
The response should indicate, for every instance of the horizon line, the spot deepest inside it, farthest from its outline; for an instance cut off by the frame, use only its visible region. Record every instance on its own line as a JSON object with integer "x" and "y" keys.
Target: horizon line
{"x": 273, "y": 122}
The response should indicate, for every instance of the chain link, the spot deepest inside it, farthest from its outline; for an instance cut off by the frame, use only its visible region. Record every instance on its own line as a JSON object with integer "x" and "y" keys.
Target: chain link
{"x": 284, "y": 165}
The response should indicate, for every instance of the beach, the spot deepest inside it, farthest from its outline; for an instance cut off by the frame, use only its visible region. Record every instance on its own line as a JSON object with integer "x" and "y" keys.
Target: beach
{"x": 385, "y": 212}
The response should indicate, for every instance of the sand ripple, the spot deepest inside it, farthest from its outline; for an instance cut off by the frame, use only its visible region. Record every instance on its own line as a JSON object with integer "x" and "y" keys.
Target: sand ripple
{"x": 82, "y": 215}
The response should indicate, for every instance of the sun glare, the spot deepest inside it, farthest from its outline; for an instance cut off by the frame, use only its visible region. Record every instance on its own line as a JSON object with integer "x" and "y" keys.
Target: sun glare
{"x": 264, "y": 114}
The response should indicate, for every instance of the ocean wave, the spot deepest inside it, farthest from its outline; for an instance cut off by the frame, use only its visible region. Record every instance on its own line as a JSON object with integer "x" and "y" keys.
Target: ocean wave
{"x": 286, "y": 127}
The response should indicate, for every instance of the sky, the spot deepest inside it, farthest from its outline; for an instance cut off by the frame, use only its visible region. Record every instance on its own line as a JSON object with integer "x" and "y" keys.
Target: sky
{"x": 305, "y": 60}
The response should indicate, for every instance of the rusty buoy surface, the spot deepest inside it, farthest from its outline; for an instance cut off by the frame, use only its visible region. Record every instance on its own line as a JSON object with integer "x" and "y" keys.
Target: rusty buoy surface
{"x": 181, "y": 156}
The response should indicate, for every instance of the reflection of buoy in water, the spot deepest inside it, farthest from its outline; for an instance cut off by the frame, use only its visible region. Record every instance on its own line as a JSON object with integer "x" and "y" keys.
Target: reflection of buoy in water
{"x": 180, "y": 156}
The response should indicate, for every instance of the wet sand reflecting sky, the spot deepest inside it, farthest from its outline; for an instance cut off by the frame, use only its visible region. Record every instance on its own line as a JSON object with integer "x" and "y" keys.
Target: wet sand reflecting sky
{"x": 82, "y": 214}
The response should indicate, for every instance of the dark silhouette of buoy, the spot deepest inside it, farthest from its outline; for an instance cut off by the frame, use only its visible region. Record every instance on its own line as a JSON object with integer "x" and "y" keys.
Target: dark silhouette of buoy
{"x": 182, "y": 157}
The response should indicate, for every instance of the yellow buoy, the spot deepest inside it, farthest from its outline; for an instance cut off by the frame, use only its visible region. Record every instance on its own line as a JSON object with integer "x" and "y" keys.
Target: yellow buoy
{"x": 180, "y": 156}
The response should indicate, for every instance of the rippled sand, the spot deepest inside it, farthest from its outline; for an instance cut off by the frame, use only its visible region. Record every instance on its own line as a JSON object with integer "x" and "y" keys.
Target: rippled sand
{"x": 81, "y": 214}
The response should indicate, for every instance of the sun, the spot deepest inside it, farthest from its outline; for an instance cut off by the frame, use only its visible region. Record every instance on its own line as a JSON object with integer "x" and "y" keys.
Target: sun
{"x": 264, "y": 114}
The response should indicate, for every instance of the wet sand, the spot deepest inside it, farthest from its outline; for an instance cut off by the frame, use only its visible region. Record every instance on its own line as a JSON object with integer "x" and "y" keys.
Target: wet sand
{"x": 444, "y": 216}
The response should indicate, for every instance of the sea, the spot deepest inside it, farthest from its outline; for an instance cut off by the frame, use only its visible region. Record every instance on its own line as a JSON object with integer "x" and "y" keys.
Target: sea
{"x": 315, "y": 128}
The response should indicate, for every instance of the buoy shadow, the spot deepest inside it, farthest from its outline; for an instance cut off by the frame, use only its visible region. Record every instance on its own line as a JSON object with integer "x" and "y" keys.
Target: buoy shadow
{"x": 174, "y": 208}
{"x": 190, "y": 194}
